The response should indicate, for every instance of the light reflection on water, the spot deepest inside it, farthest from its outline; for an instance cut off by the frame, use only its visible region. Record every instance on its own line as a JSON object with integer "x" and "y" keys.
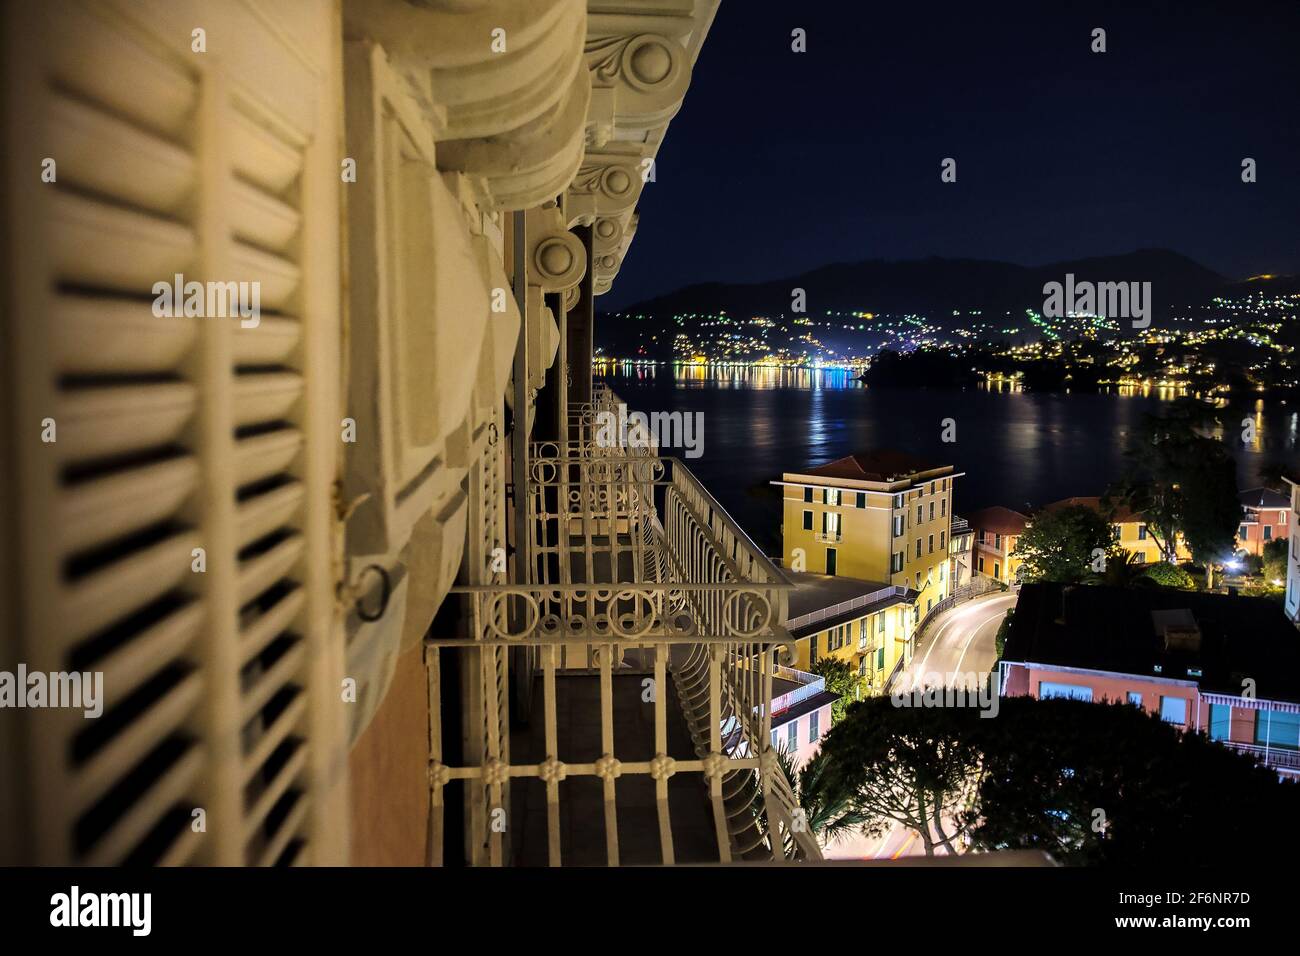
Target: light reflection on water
{"x": 1017, "y": 448}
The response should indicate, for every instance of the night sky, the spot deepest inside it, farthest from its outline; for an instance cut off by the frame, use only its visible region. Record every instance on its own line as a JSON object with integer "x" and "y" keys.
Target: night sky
{"x": 780, "y": 162}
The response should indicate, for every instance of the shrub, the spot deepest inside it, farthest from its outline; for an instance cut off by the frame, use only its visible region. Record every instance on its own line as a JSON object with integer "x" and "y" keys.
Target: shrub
{"x": 1169, "y": 576}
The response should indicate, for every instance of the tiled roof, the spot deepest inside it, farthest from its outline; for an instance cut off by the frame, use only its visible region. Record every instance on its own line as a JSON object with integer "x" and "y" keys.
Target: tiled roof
{"x": 885, "y": 464}
{"x": 1118, "y": 512}
{"x": 1263, "y": 498}
{"x": 997, "y": 519}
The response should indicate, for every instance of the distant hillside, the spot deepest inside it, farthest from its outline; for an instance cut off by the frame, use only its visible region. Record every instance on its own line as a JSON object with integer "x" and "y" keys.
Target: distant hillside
{"x": 932, "y": 288}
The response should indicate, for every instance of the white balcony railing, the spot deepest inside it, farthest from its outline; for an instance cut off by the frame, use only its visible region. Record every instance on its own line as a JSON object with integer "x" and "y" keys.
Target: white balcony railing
{"x": 1278, "y": 758}
{"x": 843, "y": 607}
{"x": 632, "y": 567}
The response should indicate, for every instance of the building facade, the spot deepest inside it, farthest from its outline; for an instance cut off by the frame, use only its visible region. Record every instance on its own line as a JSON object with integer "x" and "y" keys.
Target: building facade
{"x": 801, "y": 713}
{"x": 1292, "y": 599}
{"x": 961, "y": 552}
{"x": 876, "y": 516}
{"x": 1266, "y": 515}
{"x": 867, "y": 624}
{"x": 1224, "y": 666}
{"x": 995, "y": 531}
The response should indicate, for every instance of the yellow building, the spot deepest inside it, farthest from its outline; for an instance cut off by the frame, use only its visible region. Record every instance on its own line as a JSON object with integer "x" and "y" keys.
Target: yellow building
{"x": 874, "y": 516}
{"x": 1129, "y": 529}
{"x": 867, "y": 624}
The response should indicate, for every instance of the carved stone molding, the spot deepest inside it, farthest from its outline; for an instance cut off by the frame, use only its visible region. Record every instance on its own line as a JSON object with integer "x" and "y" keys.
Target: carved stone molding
{"x": 607, "y": 185}
{"x": 605, "y": 263}
{"x": 557, "y": 258}
{"x": 504, "y": 84}
{"x": 642, "y": 78}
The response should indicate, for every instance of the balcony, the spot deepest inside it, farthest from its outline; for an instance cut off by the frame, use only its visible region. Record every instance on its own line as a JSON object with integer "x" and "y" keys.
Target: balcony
{"x": 829, "y": 537}
{"x": 635, "y": 665}
{"x": 1278, "y": 758}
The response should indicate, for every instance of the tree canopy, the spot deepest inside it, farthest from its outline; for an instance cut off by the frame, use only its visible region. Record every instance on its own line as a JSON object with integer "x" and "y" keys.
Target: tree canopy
{"x": 1062, "y": 545}
{"x": 1087, "y": 783}
{"x": 841, "y": 679}
{"x": 1180, "y": 479}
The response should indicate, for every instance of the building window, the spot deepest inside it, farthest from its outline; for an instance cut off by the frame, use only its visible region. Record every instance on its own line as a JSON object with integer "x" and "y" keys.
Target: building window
{"x": 1048, "y": 690}
{"x": 942, "y": 537}
{"x": 807, "y": 520}
{"x": 1139, "y": 557}
{"x": 830, "y": 561}
{"x": 1173, "y": 710}
{"x": 997, "y": 542}
{"x": 897, "y": 564}
{"x": 1241, "y": 532}
{"x": 807, "y": 494}
{"x": 997, "y": 571}
{"x": 981, "y": 562}
{"x": 981, "y": 536}
{"x": 880, "y": 658}
{"x": 1135, "y": 698}
{"x": 918, "y": 547}
{"x": 774, "y": 741}
{"x": 932, "y": 487}
{"x": 812, "y": 649}
{"x": 1268, "y": 532}
{"x": 930, "y": 545}
{"x": 792, "y": 735}
{"x": 814, "y": 721}
{"x": 1142, "y": 532}
{"x": 862, "y": 634}
{"x": 1220, "y": 722}
{"x": 898, "y": 501}
{"x": 862, "y": 499}
{"x": 831, "y": 496}
{"x": 862, "y": 667}
{"x": 1276, "y": 729}
{"x": 898, "y": 526}
{"x": 880, "y": 624}
{"x": 931, "y": 510}
{"x": 943, "y": 508}
{"x": 920, "y": 514}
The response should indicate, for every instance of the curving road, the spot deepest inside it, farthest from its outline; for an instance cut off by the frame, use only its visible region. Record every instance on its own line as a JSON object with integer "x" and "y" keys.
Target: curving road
{"x": 959, "y": 642}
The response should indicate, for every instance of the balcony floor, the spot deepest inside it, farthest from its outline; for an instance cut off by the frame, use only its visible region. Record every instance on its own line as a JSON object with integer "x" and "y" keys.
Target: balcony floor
{"x": 582, "y": 813}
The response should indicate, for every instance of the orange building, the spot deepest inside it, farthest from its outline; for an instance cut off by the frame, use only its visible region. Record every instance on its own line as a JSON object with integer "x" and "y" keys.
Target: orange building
{"x": 997, "y": 531}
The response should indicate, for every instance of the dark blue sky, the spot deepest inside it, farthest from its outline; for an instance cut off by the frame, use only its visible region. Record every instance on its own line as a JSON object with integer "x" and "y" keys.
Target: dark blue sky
{"x": 780, "y": 162}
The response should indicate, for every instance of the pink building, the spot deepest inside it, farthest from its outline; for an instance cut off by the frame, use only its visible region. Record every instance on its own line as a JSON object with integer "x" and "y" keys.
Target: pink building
{"x": 801, "y": 712}
{"x": 1265, "y": 516}
{"x": 1221, "y": 665}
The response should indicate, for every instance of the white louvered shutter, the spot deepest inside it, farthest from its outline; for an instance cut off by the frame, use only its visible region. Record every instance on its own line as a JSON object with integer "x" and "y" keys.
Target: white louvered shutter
{"x": 174, "y": 434}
